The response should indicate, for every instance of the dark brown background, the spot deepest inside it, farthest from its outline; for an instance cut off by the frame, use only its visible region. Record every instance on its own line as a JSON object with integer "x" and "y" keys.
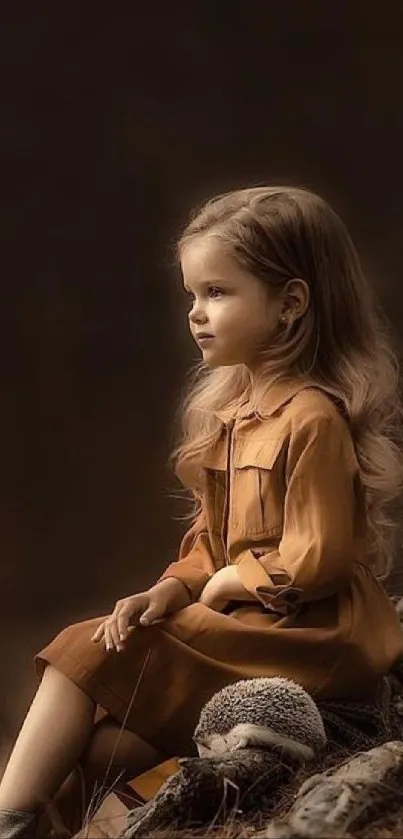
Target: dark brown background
{"x": 115, "y": 121}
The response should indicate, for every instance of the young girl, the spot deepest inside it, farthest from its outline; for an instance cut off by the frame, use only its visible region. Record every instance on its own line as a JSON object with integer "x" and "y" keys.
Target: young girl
{"x": 290, "y": 446}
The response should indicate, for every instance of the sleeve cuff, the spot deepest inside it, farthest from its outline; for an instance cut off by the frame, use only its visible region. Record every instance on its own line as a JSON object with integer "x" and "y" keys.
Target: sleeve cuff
{"x": 274, "y": 590}
{"x": 194, "y": 579}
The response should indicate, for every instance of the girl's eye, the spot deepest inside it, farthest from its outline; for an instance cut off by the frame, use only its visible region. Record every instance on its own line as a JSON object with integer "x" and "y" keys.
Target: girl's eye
{"x": 213, "y": 291}
{"x": 216, "y": 290}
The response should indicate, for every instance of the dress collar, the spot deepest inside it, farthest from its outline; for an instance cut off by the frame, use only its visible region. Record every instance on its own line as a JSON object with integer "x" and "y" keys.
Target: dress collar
{"x": 275, "y": 397}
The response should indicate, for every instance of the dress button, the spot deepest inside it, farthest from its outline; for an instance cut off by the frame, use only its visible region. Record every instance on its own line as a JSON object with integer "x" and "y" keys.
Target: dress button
{"x": 291, "y": 596}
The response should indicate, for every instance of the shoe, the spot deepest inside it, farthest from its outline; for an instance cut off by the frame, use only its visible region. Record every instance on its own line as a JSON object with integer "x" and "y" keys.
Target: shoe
{"x": 17, "y": 824}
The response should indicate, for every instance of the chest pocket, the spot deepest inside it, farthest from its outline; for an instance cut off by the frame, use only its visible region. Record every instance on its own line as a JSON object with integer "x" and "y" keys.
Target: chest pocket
{"x": 258, "y": 489}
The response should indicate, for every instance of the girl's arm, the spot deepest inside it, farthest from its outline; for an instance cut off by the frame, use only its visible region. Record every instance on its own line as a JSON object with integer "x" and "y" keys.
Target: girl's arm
{"x": 225, "y": 585}
{"x": 195, "y": 564}
{"x": 323, "y": 506}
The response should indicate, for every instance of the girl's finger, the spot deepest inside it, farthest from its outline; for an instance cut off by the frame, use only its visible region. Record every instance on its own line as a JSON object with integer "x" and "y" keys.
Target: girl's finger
{"x": 114, "y": 633}
{"x": 98, "y": 634}
{"x": 108, "y": 639}
{"x": 122, "y": 625}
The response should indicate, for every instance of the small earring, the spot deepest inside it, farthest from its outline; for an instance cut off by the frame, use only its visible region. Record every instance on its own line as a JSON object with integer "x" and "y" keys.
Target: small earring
{"x": 288, "y": 317}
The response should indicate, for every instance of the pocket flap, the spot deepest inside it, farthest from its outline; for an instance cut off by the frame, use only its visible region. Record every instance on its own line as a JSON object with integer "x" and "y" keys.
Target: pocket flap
{"x": 215, "y": 459}
{"x": 259, "y": 453}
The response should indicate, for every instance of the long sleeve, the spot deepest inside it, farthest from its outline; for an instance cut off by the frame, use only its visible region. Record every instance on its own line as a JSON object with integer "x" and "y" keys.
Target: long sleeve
{"x": 195, "y": 564}
{"x": 315, "y": 554}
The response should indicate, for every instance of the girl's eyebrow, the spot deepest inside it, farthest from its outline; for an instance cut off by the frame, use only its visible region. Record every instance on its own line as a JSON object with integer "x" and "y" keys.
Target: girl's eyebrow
{"x": 213, "y": 281}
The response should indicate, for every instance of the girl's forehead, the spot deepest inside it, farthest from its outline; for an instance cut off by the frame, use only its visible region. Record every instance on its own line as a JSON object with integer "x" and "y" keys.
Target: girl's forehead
{"x": 207, "y": 258}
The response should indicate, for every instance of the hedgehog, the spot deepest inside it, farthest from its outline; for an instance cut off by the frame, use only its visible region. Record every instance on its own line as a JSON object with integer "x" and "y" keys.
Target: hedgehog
{"x": 238, "y": 731}
{"x": 260, "y": 712}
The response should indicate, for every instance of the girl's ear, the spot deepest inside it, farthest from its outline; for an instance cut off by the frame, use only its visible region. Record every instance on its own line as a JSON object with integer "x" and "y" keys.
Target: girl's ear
{"x": 296, "y": 297}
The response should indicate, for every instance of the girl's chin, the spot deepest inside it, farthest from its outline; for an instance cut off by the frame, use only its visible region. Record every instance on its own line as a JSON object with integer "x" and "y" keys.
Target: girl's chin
{"x": 215, "y": 359}
{"x": 211, "y": 358}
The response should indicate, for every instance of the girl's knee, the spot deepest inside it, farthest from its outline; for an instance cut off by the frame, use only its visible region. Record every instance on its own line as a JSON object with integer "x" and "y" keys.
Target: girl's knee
{"x": 107, "y": 746}
{"x": 117, "y": 751}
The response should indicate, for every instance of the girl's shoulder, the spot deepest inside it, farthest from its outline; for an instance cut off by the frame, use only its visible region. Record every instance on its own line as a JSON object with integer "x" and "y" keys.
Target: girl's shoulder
{"x": 310, "y": 413}
{"x": 316, "y": 405}
{"x": 302, "y": 400}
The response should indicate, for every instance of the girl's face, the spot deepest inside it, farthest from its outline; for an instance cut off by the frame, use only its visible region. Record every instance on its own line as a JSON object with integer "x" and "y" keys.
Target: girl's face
{"x": 235, "y": 308}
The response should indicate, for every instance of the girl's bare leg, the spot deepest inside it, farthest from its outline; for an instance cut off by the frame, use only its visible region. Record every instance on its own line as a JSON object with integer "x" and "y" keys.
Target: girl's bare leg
{"x": 52, "y": 738}
{"x": 131, "y": 757}
{"x": 59, "y": 732}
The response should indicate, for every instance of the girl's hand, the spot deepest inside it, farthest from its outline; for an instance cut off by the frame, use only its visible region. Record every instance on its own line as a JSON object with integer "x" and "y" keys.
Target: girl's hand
{"x": 213, "y": 592}
{"x": 211, "y": 597}
{"x": 145, "y": 608}
{"x": 223, "y": 586}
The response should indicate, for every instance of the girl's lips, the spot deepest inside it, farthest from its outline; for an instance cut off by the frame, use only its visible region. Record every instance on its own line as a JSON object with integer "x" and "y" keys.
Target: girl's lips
{"x": 205, "y": 340}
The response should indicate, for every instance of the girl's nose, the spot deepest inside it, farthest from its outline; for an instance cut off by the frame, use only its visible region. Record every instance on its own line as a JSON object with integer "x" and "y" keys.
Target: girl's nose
{"x": 197, "y": 316}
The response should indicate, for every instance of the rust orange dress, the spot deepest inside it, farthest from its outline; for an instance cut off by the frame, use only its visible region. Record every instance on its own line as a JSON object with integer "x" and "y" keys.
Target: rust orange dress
{"x": 284, "y": 502}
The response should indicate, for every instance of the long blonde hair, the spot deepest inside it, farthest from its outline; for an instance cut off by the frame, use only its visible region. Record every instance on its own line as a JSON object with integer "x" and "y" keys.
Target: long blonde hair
{"x": 343, "y": 341}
